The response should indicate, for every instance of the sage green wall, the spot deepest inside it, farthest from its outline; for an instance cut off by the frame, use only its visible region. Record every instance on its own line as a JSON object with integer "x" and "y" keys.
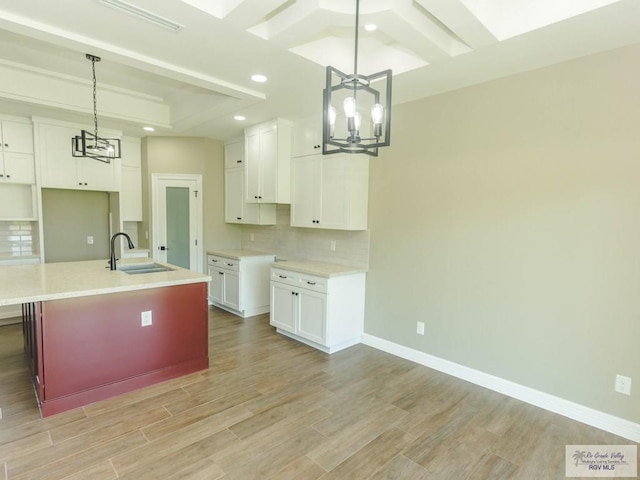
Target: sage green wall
{"x": 68, "y": 218}
{"x": 193, "y": 156}
{"x": 506, "y": 216}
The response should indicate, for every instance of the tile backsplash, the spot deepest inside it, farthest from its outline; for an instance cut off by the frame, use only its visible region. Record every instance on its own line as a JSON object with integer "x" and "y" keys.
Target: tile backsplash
{"x": 294, "y": 243}
{"x": 18, "y": 239}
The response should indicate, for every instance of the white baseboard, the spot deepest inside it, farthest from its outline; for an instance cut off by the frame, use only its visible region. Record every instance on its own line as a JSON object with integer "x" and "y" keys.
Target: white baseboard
{"x": 575, "y": 411}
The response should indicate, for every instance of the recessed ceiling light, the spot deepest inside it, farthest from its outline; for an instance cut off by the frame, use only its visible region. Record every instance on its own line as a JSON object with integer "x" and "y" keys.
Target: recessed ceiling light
{"x": 370, "y": 27}
{"x": 240, "y": 118}
{"x": 259, "y": 78}
{"x": 149, "y": 129}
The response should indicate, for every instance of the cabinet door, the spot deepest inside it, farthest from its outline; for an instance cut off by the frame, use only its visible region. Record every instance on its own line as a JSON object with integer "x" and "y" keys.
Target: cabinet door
{"x": 234, "y": 155}
{"x": 96, "y": 175}
{"x": 216, "y": 285}
{"x": 17, "y": 137}
{"x": 269, "y": 164}
{"x": 233, "y": 195}
{"x": 18, "y": 168}
{"x": 57, "y": 165}
{"x": 312, "y": 316}
{"x": 305, "y": 195}
{"x": 334, "y": 206}
{"x": 231, "y": 290}
{"x": 307, "y": 137}
{"x": 252, "y": 166}
{"x": 283, "y": 307}
{"x": 131, "y": 194}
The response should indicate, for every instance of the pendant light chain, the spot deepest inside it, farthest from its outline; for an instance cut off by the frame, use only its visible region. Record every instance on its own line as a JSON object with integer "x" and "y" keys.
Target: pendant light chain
{"x": 89, "y": 144}
{"x": 95, "y": 102}
{"x": 355, "y": 57}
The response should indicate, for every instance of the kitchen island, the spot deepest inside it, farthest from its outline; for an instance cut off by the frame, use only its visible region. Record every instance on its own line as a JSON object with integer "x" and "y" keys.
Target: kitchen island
{"x": 91, "y": 333}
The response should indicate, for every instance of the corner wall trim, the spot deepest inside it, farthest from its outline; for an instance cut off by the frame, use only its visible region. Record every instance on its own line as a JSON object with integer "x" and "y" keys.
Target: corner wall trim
{"x": 575, "y": 411}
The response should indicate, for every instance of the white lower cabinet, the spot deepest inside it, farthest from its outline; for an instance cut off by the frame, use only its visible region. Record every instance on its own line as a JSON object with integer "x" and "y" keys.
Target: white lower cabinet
{"x": 240, "y": 283}
{"x": 326, "y": 313}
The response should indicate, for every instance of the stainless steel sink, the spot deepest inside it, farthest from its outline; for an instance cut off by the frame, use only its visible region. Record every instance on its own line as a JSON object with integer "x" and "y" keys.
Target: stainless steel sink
{"x": 139, "y": 268}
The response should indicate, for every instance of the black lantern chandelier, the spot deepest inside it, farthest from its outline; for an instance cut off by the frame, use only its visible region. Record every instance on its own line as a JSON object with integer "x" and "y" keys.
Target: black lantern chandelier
{"x": 365, "y": 121}
{"x": 89, "y": 144}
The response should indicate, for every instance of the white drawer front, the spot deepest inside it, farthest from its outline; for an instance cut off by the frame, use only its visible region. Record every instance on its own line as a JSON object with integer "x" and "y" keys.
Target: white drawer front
{"x": 223, "y": 262}
{"x": 300, "y": 280}
{"x": 317, "y": 284}
{"x": 285, "y": 276}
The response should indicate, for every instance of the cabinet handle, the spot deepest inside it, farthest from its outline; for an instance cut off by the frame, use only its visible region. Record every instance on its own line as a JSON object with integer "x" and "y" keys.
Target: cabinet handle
{"x": 1, "y": 175}
{"x": 282, "y": 276}
{"x": 6, "y": 145}
{"x": 8, "y": 176}
{"x": 214, "y": 261}
{"x": 230, "y": 264}
{"x": 238, "y": 161}
{"x": 238, "y": 218}
{"x": 311, "y": 283}
{"x": 220, "y": 273}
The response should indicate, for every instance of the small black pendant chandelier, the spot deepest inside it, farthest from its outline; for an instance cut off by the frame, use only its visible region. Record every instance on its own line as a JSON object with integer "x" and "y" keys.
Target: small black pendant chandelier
{"x": 345, "y": 131}
{"x": 89, "y": 144}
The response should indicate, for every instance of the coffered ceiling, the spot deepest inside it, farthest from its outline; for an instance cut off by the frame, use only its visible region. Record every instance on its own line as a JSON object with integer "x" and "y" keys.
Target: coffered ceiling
{"x": 192, "y": 79}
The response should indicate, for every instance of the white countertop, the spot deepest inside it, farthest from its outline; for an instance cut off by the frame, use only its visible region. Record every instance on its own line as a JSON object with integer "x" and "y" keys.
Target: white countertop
{"x": 51, "y": 281}
{"x": 317, "y": 268}
{"x": 238, "y": 254}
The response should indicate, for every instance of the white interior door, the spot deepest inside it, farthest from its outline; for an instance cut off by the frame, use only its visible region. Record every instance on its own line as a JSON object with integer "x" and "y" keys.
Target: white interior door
{"x": 177, "y": 220}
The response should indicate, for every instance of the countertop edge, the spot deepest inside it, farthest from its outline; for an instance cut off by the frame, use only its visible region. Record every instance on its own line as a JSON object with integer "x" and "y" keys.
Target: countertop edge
{"x": 318, "y": 269}
{"x": 239, "y": 254}
{"x": 101, "y": 291}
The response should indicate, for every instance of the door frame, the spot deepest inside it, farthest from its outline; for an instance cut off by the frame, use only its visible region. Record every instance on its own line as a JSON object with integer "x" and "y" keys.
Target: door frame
{"x": 197, "y": 178}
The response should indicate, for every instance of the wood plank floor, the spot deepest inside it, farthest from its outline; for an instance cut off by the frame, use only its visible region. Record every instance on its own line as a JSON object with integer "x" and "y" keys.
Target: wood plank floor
{"x": 272, "y": 408}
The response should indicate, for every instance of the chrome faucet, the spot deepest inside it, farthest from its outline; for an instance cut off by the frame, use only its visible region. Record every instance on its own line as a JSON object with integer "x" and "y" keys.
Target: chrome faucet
{"x": 112, "y": 260}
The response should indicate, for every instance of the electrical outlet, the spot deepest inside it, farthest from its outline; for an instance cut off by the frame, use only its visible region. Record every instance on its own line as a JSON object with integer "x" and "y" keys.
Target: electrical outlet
{"x": 333, "y": 245}
{"x": 146, "y": 318}
{"x": 623, "y": 385}
{"x": 90, "y": 240}
{"x": 420, "y": 328}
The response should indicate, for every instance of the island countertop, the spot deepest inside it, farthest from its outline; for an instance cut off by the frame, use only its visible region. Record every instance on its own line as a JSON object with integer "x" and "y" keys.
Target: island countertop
{"x": 52, "y": 281}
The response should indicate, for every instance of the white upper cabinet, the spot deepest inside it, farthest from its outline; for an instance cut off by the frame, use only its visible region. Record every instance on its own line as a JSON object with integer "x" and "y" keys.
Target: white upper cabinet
{"x": 131, "y": 192}
{"x": 234, "y": 154}
{"x": 17, "y": 137}
{"x": 267, "y": 157}
{"x": 307, "y": 137}
{"x": 16, "y": 152}
{"x": 60, "y": 169}
{"x": 236, "y": 209}
{"x": 330, "y": 191}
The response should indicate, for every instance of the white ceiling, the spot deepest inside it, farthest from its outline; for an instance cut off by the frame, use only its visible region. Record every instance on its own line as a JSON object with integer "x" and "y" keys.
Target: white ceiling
{"x": 192, "y": 82}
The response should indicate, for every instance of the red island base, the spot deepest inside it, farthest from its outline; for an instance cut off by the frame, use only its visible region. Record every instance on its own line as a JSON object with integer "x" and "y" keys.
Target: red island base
{"x": 90, "y": 348}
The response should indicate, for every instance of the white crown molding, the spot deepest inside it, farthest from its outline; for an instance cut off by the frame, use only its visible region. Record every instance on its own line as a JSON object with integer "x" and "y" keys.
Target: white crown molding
{"x": 575, "y": 411}
{"x": 42, "y": 88}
